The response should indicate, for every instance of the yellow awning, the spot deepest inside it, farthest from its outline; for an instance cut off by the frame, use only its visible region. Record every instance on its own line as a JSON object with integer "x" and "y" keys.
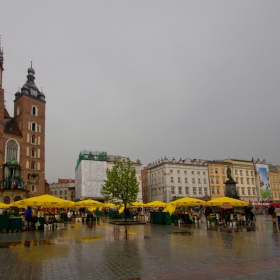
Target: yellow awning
{"x": 45, "y": 200}
{"x": 188, "y": 201}
{"x": 155, "y": 203}
{"x": 88, "y": 202}
{"x": 4, "y": 205}
{"x": 227, "y": 200}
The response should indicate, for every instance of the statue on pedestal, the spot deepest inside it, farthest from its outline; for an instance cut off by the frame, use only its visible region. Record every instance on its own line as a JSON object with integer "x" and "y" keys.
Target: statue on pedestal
{"x": 229, "y": 174}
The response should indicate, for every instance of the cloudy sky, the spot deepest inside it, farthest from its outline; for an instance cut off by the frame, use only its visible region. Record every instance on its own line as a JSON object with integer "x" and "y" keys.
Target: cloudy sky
{"x": 149, "y": 79}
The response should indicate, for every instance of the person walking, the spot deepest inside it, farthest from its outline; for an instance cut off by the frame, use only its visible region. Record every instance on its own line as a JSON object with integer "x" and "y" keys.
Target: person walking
{"x": 271, "y": 212}
{"x": 277, "y": 213}
{"x": 28, "y": 214}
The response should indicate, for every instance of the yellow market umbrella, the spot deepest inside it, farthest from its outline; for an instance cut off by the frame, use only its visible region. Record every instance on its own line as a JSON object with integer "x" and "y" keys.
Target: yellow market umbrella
{"x": 170, "y": 208}
{"x": 227, "y": 200}
{"x": 188, "y": 201}
{"x": 121, "y": 209}
{"x": 107, "y": 205}
{"x": 45, "y": 200}
{"x": 155, "y": 203}
{"x": 135, "y": 204}
{"x": 88, "y": 202}
{"x": 4, "y": 205}
{"x": 92, "y": 208}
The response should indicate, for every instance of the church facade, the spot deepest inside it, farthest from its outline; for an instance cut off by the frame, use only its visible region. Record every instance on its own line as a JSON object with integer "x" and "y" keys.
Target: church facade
{"x": 22, "y": 141}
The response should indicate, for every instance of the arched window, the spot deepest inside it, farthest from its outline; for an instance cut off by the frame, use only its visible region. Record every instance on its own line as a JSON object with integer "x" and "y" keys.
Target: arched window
{"x": 7, "y": 200}
{"x": 11, "y": 150}
{"x": 17, "y": 198}
{"x": 33, "y": 126}
{"x": 33, "y": 153}
{"x": 33, "y": 139}
{"x": 18, "y": 110}
{"x": 34, "y": 111}
{"x": 32, "y": 165}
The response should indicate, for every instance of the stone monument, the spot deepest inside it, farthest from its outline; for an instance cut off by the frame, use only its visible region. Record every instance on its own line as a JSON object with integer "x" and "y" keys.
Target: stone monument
{"x": 231, "y": 190}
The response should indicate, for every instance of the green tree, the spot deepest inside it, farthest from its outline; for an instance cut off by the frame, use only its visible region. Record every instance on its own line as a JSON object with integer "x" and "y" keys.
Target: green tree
{"x": 121, "y": 186}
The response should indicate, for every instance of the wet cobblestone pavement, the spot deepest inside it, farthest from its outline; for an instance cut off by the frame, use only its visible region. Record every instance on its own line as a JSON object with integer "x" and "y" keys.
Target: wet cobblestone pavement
{"x": 146, "y": 252}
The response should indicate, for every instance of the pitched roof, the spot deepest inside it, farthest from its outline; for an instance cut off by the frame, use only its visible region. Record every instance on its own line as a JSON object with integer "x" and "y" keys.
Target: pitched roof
{"x": 11, "y": 127}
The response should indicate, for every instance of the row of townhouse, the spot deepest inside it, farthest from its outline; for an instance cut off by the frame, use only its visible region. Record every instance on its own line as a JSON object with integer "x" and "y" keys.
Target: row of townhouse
{"x": 64, "y": 188}
{"x": 167, "y": 180}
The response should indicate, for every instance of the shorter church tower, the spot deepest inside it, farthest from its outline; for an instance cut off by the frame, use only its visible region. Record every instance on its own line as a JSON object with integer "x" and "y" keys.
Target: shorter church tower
{"x": 22, "y": 141}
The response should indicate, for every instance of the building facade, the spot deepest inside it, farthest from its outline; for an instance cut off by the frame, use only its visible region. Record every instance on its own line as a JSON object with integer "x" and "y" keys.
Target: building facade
{"x": 274, "y": 178}
{"x": 64, "y": 188}
{"x": 243, "y": 172}
{"x": 170, "y": 179}
{"x": 144, "y": 178}
{"x": 90, "y": 174}
{"x": 22, "y": 141}
{"x": 217, "y": 171}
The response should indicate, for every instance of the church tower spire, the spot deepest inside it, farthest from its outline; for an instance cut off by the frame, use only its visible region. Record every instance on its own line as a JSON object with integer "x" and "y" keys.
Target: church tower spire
{"x": 1, "y": 63}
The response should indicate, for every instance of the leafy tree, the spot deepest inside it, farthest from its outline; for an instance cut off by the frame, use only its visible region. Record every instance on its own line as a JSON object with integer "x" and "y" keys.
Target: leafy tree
{"x": 121, "y": 186}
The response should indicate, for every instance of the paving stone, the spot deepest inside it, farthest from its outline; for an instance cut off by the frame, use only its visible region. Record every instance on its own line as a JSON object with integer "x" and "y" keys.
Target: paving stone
{"x": 150, "y": 252}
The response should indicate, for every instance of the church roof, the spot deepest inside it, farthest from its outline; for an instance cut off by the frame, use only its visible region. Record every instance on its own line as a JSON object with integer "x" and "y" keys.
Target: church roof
{"x": 6, "y": 114}
{"x": 11, "y": 127}
{"x": 30, "y": 88}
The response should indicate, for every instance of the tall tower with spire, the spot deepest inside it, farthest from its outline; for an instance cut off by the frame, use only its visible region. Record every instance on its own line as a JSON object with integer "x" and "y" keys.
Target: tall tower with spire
{"x": 22, "y": 141}
{"x": 29, "y": 114}
{"x": 1, "y": 63}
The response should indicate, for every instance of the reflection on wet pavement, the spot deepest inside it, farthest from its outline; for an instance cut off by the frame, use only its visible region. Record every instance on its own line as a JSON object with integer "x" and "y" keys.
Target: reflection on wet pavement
{"x": 181, "y": 232}
{"x": 105, "y": 251}
{"x": 30, "y": 243}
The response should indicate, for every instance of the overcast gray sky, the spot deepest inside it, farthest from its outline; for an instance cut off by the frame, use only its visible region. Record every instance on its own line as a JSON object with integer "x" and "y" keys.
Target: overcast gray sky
{"x": 149, "y": 79}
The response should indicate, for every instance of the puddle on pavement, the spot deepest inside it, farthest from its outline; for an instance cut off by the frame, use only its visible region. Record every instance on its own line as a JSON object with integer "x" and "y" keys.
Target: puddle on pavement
{"x": 182, "y": 232}
{"x": 33, "y": 243}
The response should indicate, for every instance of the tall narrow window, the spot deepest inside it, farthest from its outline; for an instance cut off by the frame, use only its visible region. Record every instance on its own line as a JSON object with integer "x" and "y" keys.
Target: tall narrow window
{"x": 11, "y": 150}
{"x": 34, "y": 111}
{"x": 33, "y": 126}
{"x": 32, "y": 165}
{"x": 33, "y": 139}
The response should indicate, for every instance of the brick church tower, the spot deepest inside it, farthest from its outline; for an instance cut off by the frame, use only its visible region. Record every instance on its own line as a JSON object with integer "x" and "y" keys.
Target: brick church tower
{"x": 22, "y": 141}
